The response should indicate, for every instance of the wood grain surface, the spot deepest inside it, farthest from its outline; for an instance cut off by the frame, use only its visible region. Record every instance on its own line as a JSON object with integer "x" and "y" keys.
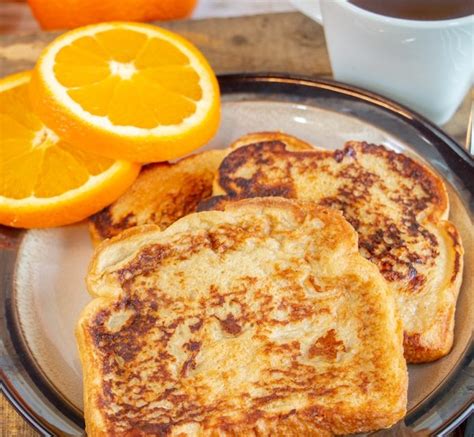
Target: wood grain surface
{"x": 285, "y": 43}
{"x": 11, "y": 423}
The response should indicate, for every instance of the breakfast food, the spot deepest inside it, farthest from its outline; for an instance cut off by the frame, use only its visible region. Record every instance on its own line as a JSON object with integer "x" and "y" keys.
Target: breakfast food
{"x": 165, "y": 192}
{"x": 162, "y": 193}
{"x": 261, "y": 319}
{"x": 35, "y": 189}
{"x": 398, "y": 207}
{"x": 128, "y": 91}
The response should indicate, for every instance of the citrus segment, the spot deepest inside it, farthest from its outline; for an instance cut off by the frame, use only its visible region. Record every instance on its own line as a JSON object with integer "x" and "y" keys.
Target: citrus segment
{"x": 95, "y": 98}
{"x": 165, "y": 77}
{"x": 143, "y": 93}
{"x": 44, "y": 181}
{"x": 168, "y": 55}
{"x": 131, "y": 43}
{"x": 83, "y": 75}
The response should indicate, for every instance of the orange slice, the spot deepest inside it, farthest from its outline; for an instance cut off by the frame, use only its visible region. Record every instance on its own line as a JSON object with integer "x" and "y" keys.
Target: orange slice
{"x": 45, "y": 181}
{"x": 141, "y": 92}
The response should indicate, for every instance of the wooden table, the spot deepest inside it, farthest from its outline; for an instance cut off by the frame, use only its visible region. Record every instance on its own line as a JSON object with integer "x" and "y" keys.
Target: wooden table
{"x": 285, "y": 43}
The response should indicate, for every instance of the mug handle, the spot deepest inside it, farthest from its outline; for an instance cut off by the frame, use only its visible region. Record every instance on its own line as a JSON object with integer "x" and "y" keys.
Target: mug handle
{"x": 311, "y": 8}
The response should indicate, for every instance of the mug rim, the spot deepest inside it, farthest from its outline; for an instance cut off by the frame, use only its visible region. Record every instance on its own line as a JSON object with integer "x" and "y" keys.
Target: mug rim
{"x": 420, "y": 24}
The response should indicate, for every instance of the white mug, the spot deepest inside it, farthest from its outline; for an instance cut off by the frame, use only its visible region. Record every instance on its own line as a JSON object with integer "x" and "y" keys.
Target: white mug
{"x": 426, "y": 65}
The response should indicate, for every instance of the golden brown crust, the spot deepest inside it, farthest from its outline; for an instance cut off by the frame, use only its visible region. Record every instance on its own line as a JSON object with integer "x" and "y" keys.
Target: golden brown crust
{"x": 162, "y": 193}
{"x": 438, "y": 341}
{"x": 292, "y": 143}
{"x": 398, "y": 207}
{"x": 260, "y": 320}
{"x": 90, "y": 363}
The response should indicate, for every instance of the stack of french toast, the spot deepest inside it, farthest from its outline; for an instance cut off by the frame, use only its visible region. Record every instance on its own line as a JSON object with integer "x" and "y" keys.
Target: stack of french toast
{"x": 271, "y": 288}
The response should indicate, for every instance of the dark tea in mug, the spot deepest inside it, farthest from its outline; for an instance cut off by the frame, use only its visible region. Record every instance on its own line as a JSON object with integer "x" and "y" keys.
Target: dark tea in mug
{"x": 429, "y": 10}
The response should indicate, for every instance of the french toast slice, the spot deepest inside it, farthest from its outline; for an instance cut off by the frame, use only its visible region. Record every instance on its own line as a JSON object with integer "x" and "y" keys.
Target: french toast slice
{"x": 165, "y": 192}
{"x": 259, "y": 320}
{"x": 398, "y": 207}
{"x": 162, "y": 193}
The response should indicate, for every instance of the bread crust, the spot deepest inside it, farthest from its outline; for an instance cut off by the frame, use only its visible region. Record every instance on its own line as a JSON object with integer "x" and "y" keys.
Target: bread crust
{"x": 292, "y": 143}
{"x": 297, "y": 333}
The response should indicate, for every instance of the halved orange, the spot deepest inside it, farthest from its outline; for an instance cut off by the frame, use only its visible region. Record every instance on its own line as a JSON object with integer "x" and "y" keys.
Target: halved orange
{"x": 127, "y": 90}
{"x": 44, "y": 181}
{"x": 66, "y": 14}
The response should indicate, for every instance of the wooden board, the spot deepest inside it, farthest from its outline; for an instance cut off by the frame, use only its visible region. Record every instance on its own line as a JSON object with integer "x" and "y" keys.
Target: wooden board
{"x": 287, "y": 42}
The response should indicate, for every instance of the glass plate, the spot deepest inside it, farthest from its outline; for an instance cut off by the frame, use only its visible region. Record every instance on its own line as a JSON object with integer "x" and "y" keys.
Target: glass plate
{"x": 43, "y": 271}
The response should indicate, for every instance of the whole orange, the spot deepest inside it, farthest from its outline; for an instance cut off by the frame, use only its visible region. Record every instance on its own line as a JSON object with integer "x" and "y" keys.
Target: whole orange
{"x": 67, "y": 14}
